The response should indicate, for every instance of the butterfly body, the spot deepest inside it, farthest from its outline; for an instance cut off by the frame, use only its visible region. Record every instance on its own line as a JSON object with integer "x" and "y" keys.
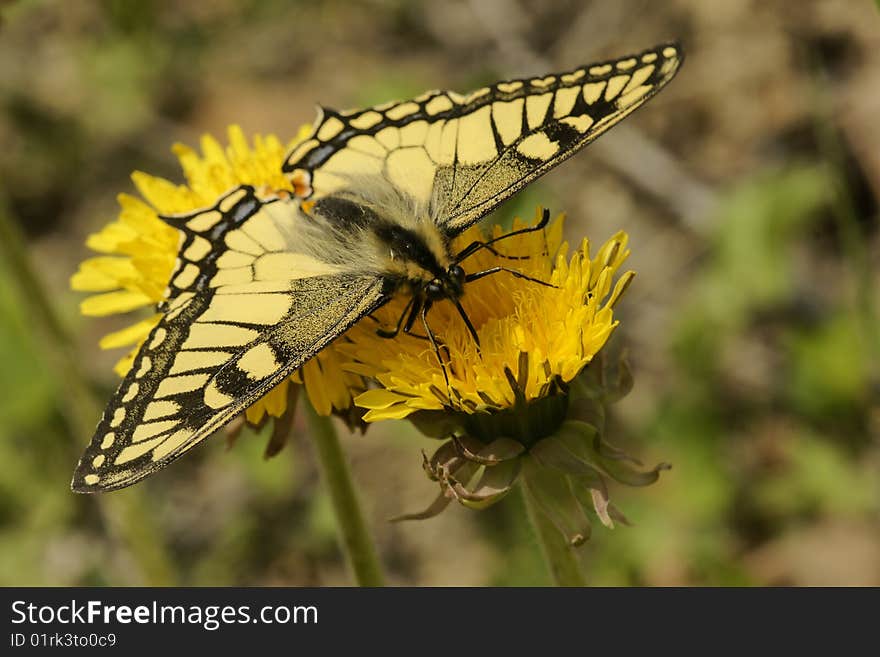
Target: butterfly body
{"x": 400, "y": 239}
{"x": 262, "y": 284}
{"x": 395, "y": 238}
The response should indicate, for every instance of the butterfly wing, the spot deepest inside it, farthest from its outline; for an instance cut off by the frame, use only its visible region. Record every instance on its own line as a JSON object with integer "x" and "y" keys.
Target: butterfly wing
{"x": 243, "y": 312}
{"x": 463, "y": 155}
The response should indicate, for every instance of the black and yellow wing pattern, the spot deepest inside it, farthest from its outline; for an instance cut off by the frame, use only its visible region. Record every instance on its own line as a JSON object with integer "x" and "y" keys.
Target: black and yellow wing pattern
{"x": 465, "y": 154}
{"x": 243, "y": 311}
{"x": 247, "y": 304}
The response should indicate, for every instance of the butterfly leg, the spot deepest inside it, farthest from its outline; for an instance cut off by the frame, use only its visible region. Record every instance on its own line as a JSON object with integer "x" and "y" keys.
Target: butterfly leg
{"x": 385, "y": 333}
{"x": 417, "y": 308}
{"x": 473, "y": 247}
{"x": 467, "y": 322}
{"x": 434, "y": 342}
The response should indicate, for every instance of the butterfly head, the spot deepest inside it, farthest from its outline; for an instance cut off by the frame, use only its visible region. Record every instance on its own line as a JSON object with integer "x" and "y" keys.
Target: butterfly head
{"x": 448, "y": 286}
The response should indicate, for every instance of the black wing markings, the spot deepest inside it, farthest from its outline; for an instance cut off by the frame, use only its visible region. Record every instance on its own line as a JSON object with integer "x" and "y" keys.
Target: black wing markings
{"x": 314, "y": 152}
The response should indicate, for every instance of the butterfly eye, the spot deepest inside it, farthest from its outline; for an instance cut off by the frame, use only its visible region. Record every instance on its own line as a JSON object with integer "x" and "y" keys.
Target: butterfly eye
{"x": 434, "y": 290}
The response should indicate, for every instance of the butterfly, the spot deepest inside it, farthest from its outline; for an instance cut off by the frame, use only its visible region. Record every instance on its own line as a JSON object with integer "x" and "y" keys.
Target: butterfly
{"x": 262, "y": 285}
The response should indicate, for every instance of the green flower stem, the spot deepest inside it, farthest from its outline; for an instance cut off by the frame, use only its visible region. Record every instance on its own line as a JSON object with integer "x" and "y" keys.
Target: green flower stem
{"x": 129, "y": 518}
{"x": 560, "y": 557}
{"x": 354, "y": 537}
{"x": 125, "y": 515}
{"x": 852, "y": 240}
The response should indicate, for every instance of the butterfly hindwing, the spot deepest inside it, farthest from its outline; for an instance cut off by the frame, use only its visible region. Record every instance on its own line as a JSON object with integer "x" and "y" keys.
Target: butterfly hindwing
{"x": 467, "y": 154}
{"x": 243, "y": 312}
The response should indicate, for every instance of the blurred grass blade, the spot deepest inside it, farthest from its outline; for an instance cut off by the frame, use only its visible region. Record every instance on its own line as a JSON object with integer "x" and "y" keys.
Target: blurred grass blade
{"x": 126, "y": 515}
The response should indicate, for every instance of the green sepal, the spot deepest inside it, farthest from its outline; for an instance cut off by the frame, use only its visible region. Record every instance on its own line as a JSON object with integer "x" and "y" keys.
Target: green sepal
{"x": 603, "y": 457}
{"x": 551, "y": 491}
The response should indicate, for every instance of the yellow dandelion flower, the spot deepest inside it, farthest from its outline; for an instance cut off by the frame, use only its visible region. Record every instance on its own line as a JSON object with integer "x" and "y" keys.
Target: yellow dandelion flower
{"x": 139, "y": 250}
{"x": 524, "y": 401}
{"x": 544, "y": 334}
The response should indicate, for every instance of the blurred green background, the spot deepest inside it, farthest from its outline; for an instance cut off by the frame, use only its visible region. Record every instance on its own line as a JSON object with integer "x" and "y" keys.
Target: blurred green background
{"x": 749, "y": 188}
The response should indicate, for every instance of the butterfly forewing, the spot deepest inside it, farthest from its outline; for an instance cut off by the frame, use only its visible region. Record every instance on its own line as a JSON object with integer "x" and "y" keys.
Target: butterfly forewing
{"x": 466, "y": 154}
{"x": 244, "y": 311}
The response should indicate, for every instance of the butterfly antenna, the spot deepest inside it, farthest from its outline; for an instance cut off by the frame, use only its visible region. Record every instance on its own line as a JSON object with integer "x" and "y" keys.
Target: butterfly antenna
{"x": 473, "y": 247}
{"x": 497, "y": 270}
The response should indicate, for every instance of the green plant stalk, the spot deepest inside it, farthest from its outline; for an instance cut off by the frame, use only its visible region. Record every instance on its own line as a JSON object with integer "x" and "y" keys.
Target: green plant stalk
{"x": 854, "y": 246}
{"x": 125, "y": 515}
{"x": 354, "y": 537}
{"x": 130, "y": 520}
{"x": 852, "y": 241}
{"x": 560, "y": 558}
